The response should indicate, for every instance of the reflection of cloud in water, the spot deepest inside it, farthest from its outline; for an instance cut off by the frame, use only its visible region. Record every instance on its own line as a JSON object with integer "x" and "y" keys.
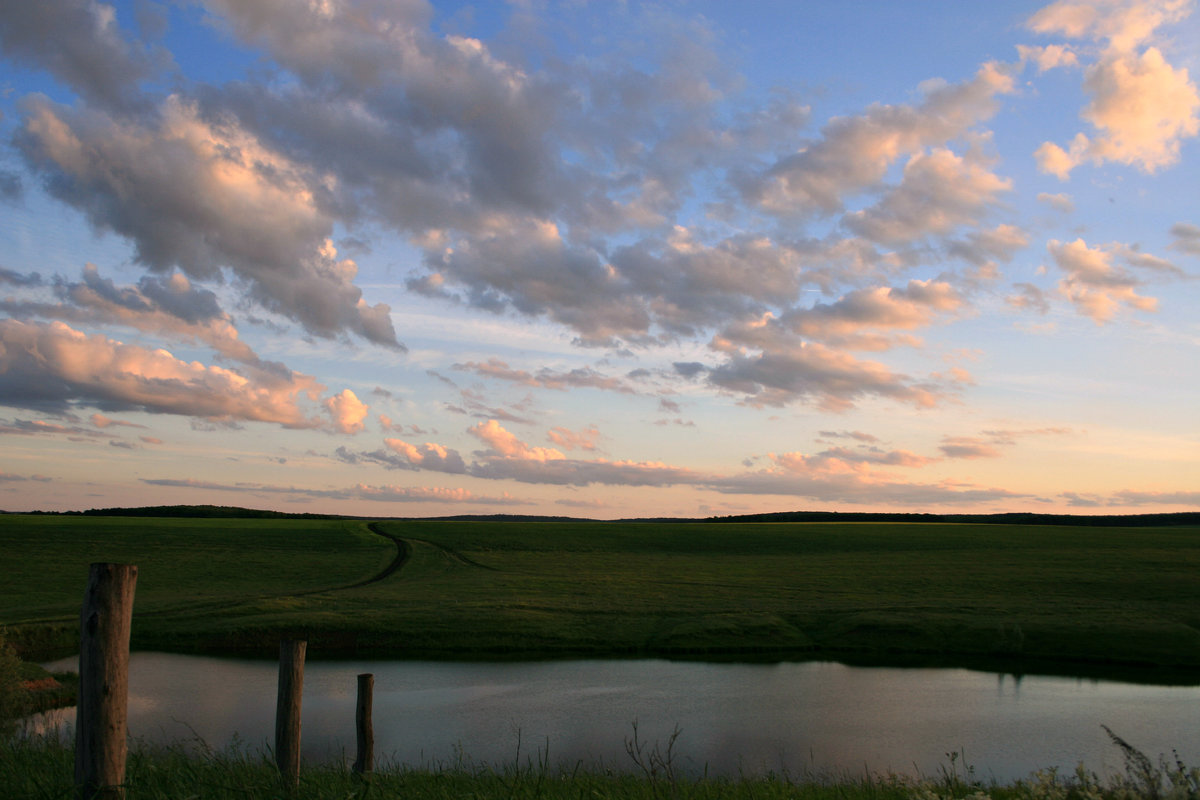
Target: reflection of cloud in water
{"x": 734, "y": 718}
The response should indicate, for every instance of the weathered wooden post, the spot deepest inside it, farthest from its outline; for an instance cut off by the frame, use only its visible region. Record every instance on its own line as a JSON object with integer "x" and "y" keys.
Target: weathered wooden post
{"x": 101, "y": 717}
{"x": 365, "y": 762}
{"x": 287, "y": 710}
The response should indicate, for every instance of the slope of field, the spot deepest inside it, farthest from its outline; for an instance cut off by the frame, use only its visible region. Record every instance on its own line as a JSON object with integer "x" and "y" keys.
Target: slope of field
{"x": 187, "y": 568}
{"x": 881, "y": 591}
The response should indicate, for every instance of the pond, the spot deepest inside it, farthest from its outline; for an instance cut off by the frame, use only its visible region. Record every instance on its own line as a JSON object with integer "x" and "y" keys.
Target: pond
{"x": 733, "y": 719}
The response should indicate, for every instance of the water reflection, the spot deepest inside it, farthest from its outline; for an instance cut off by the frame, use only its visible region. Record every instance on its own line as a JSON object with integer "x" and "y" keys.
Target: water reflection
{"x": 734, "y": 718}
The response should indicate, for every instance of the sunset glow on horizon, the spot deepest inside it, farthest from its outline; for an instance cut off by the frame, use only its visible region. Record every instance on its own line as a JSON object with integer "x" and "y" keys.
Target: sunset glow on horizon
{"x": 401, "y": 258}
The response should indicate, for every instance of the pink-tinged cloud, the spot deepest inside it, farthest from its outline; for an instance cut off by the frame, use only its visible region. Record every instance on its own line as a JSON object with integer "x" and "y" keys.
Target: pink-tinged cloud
{"x": 346, "y": 411}
{"x": 166, "y": 307}
{"x": 1048, "y": 57}
{"x": 841, "y": 461}
{"x": 835, "y": 475}
{"x": 1142, "y": 107}
{"x": 575, "y": 440}
{"x": 506, "y": 445}
{"x": 1060, "y": 202}
{"x": 859, "y": 318}
{"x": 989, "y": 443}
{"x": 1096, "y": 284}
{"x": 101, "y": 421}
{"x": 1123, "y": 24}
{"x": 53, "y": 366}
{"x": 429, "y": 456}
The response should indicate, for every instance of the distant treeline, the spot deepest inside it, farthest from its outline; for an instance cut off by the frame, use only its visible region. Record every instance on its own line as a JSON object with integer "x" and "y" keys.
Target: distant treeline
{"x": 195, "y": 512}
{"x": 1019, "y": 518}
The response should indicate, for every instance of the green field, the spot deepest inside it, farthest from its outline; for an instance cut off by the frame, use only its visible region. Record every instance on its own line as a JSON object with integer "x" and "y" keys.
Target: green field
{"x": 891, "y": 592}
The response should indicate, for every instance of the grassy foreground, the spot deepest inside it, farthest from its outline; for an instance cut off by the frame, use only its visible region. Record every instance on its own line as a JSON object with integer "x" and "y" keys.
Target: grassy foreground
{"x": 981, "y": 594}
{"x": 42, "y": 769}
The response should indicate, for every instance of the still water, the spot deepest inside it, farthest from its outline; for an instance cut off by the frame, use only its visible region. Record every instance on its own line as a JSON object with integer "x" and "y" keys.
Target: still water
{"x": 733, "y": 719}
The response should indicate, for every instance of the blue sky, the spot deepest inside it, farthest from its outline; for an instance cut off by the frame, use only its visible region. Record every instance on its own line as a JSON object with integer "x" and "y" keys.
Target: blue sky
{"x": 600, "y": 259}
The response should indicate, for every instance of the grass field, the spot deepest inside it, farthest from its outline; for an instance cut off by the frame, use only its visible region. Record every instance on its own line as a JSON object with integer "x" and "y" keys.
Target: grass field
{"x": 42, "y": 769}
{"x": 871, "y": 591}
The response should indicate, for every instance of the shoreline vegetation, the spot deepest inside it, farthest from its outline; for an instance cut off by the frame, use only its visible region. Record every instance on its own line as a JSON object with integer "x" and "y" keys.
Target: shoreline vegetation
{"x": 40, "y": 767}
{"x": 1092, "y": 596}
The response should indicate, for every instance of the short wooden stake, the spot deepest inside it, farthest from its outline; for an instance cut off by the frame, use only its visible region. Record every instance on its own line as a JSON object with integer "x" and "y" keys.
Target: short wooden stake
{"x": 287, "y": 710}
{"x": 101, "y": 717}
{"x": 365, "y": 762}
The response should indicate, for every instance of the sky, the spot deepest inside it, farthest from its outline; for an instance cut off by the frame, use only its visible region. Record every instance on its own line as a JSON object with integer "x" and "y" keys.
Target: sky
{"x": 600, "y": 259}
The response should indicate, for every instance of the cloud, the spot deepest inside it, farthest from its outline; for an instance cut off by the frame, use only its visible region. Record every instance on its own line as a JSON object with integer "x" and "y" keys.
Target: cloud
{"x": 170, "y": 307}
{"x": 1135, "y": 498}
{"x": 812, "y": 371}
{"x": 837, "y": 474}
{"x": 101, "y": 421}
{"x": 860, "y": 319}
{"x": 1187, "y": 238}
{"x": 428, "y": 456}
{"x": 1124, "y": 24}
{"x": 841, "y": 460}
{"x": 968, "y": 447}
{"x": 201, "y": 195}
{"x": 1059, "y": 202}
{"x": 19, "y": 279}
{"x": 89, "y": 52}
{"x": 1048, "y": 57}
{"x": 855, "y": 489}
{"x": 938, "y": 192}
{"x": 854, "y": 153}
{"x": 382, "y": 494}
{"x": 1029, "y": 298}
{"x": 575, "y": 440}
{"x": 859, "y": 436}
{"x": 8, "y": 477}
{"x": 346, "y": 411}
{"x": 798, "y": 356}
{"x": 21, "y": 427}
{"x": 547, "y": 378}
{"x": 1096, "y": 284}
{"x": 985, "y": 247}
{"x": 53, "y": 367}
{"x": 505, "y": 445}
{"x": 988, "y": 445}
{"x": 1141, "y": 106}
{"x": 424, "y": 494}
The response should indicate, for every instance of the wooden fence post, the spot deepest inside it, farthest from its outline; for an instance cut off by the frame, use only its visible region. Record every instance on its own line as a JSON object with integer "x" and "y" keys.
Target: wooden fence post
{"x": 287, "y": 710}
{"x": 365, "y": 762}
{"x": 101, "y": 717}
